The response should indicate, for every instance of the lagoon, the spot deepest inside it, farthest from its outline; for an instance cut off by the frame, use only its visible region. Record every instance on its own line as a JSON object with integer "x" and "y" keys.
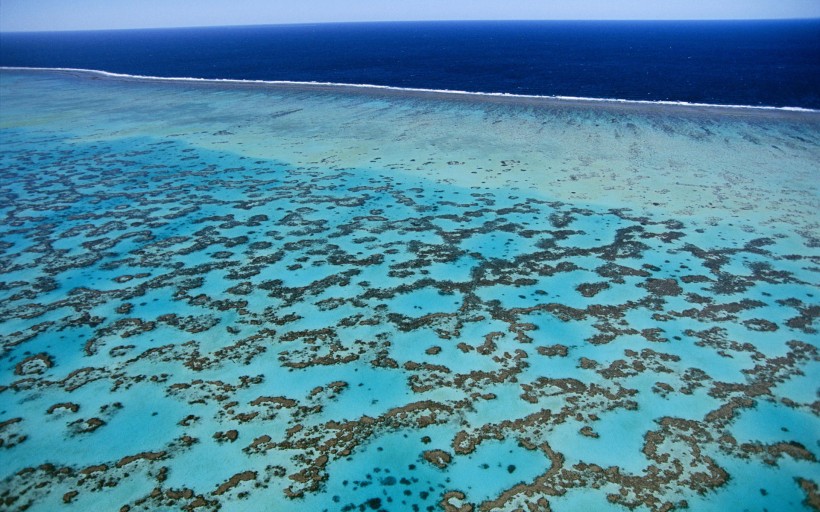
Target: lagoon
{"x": 226, "y": 294}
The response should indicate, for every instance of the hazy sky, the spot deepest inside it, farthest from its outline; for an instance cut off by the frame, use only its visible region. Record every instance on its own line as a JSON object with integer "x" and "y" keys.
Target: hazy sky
{"x": 105, "y": 14}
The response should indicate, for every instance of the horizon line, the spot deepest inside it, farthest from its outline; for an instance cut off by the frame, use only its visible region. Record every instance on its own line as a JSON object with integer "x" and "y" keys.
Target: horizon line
{"x": 353, "y": 22}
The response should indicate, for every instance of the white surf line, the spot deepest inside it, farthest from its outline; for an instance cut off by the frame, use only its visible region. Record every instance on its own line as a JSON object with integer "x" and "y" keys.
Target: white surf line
{"x": 407, "y": 89}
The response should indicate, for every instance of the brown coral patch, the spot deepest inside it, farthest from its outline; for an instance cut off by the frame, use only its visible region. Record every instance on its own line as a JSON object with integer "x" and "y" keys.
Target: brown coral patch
{"x": 438, "y": 458}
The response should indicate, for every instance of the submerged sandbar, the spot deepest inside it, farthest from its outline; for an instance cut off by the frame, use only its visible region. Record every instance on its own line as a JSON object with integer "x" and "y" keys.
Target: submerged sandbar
{"x": 689, "y": 161}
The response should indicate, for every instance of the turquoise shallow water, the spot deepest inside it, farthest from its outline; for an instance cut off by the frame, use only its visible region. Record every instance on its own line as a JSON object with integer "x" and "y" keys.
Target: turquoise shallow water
{"x": 217, "y": 296}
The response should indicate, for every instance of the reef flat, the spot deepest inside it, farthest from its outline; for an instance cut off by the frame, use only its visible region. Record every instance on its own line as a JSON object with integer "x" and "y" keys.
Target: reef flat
{"x": 220, "y": 296}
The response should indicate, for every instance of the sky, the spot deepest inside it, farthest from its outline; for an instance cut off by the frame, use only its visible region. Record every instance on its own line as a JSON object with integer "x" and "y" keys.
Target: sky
{"x": 28, "y": 15}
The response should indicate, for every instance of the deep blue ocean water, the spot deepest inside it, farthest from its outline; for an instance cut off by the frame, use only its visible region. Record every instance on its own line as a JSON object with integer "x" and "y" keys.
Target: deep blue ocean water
{"x": 774, "y": 63}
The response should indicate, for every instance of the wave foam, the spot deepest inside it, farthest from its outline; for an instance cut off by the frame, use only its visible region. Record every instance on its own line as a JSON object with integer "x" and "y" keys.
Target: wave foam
{"x": 407, "y": 89}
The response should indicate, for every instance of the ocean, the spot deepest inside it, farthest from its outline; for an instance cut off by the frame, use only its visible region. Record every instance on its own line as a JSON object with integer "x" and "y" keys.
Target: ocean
{"x": 241, "y": 291}
{"x": 774, "y": 63}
